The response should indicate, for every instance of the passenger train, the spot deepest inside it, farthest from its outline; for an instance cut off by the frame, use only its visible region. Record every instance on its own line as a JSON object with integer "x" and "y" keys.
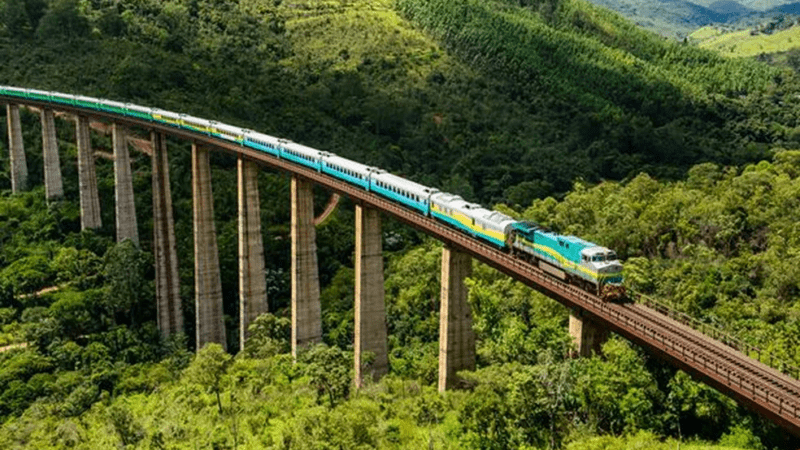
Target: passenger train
{"x": 569, "y": 258}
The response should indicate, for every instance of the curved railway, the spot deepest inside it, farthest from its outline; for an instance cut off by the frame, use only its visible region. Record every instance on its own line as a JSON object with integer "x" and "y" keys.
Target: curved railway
{"x": 754, "y": 384}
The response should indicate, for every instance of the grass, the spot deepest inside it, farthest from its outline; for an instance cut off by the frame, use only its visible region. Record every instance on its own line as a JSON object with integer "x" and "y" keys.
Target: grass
{"x": 741, "y": 44}
{"x": 704, "y": 33}
{"x": 341, "y": 35}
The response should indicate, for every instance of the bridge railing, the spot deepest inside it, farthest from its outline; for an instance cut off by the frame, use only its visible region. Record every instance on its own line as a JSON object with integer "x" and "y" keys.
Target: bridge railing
{"x": 724, "y": 370}
{"x": 750, "y": 350}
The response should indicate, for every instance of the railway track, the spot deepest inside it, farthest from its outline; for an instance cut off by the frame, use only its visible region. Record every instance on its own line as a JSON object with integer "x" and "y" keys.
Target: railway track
{"x": 752, "y": 383}
{"x": 743, "y": 363}
{"x": 765, "y": 385}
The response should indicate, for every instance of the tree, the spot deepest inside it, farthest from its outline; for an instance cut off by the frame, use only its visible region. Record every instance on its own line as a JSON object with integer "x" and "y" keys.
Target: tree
{"x": 330, "y": 371}
{"x": 209, "y": 369}
{"x": 269, "y": 336}
{"x": 125, "y": 267}
{"x": 15, "y": 19}
{"x": 617, "y": 394}
{"x": 63, "y": 21}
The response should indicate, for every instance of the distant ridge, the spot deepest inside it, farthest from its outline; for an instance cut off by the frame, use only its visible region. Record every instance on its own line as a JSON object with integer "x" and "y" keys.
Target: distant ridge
{"x": 791, "y": 8}
{"x": 729, "y": 8}
{"x": 678, "y": 18}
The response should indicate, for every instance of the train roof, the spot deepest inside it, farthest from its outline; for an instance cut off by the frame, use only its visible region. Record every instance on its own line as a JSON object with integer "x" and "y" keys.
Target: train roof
{"x": 165, "y": 113}
{"x": 194, "y": 119}
{"x": 574, "y": 240}
{"x": 347, "y": 163}
{"x": 13, "y": 89}
{"x": 300, "y": 148}
{"x": 497, "y": 217}
{"x": 452, "y": 201}
{"x": 446, "y": 197}
{"x": 272, "y": 140}
{"x": 402, "y": 183}
{"x": 225, "y": 127}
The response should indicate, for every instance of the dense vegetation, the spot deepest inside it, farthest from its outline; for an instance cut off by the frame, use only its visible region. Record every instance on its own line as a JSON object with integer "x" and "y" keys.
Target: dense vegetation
{"x": 96, "y": 375}
{"x": 525, "y": 100}
{"x": 512, "y": 102}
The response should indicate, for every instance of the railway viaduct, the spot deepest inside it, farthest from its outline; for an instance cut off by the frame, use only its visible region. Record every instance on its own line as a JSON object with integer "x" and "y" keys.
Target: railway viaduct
{"x": 722, "y": 363}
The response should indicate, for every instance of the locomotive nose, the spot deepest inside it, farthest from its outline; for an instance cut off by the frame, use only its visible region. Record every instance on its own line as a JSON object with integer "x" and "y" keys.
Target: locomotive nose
{"x": 611, "y": 268}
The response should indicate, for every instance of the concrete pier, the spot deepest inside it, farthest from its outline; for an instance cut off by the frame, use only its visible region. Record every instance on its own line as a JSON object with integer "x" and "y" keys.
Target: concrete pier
{"x": 19, "y": 168}
{"x": 123, "y": 188}
{"x": 306, "y": 309}
{"x": 53, "y": 186}
{"x": 589, "y": 337}
{"x": 456, "y": 338}
{"x": 370, "y": 308}
{"x": 252, "y": 283}
{"x": 87, "y": 179}
{"x": 168, "y": 299}
{"x": 207, "y": 281}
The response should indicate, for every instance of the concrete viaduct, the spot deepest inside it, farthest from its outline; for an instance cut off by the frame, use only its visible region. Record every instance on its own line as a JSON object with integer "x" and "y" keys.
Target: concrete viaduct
{"x": 768, "y": 391}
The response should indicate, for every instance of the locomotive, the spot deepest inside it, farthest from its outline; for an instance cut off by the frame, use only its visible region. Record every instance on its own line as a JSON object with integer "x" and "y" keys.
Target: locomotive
{"x": 568, "y": 258}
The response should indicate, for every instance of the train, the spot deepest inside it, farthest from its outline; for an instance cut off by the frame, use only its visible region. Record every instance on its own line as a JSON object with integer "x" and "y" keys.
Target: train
{"x": 571, "y": 259}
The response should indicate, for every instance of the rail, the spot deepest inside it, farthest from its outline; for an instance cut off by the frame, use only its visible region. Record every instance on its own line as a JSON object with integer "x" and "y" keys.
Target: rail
{"x": 726, "y": 338}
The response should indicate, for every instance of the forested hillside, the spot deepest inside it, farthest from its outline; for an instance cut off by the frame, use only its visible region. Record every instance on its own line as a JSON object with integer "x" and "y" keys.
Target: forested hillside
{"x": 523, "y": 101}
{"x": 500, "y": 101}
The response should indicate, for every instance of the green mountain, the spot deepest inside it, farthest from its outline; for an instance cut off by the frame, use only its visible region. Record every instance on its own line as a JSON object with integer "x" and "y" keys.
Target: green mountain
{"x": 500, "y": 102}
{"x": 497, "y": 100}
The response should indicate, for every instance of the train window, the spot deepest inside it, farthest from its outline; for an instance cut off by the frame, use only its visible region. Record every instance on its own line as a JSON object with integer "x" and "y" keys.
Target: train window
{"x": 612, "y": 256}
